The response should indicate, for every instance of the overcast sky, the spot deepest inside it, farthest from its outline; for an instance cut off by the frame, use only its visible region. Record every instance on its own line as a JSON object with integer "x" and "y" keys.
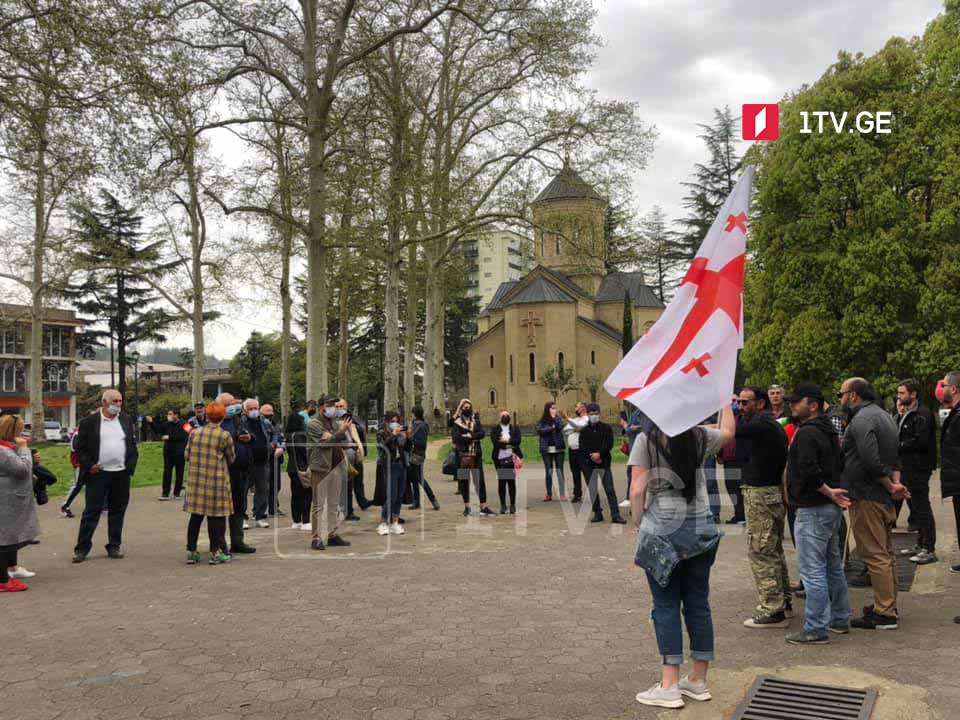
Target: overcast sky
{"x": 679, "y": 59}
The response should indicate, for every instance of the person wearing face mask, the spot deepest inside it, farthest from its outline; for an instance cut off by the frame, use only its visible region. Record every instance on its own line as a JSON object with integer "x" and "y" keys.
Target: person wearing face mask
{"x": 295, "y": 434}
{"x": 274, "y": 460}
{"x": 353, "y": 468}
{"x": 467, "y": 431}
{"x": 418, "y": 434}
{"x": 327, "y": 437}
{"x": 571, "y": 430}
{"x": 256, "y": 435}
{"x": 174, "y": 439}
{"x": 391, "y": 454}
{"x": 550, "y": 430}
{"x": 234, "y": 423}
{"x": 596, "y": 444}
{"x": 106, "y": 447}
{"x": 506, "y": 438}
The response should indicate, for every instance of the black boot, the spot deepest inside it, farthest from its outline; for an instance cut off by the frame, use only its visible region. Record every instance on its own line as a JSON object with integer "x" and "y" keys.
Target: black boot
{"x": 597, "y": 517}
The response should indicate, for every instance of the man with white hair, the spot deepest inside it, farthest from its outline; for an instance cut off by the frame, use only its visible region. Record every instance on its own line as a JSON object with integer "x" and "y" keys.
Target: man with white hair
{"x": 238, "y": 473}
{"x": 258, "y": 445}
{"x": 106, "y": 447}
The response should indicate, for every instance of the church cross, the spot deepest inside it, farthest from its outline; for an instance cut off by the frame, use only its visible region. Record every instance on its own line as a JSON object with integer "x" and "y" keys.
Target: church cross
{"x": 530, "y": 322}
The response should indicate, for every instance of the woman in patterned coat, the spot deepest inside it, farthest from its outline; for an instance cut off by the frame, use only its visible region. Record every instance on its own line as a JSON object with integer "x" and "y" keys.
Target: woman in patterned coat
{"x": 210, "y": 451}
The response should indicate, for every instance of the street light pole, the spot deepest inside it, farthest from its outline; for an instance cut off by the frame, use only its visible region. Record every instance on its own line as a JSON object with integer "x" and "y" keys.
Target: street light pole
{"x": 135, "y": 356}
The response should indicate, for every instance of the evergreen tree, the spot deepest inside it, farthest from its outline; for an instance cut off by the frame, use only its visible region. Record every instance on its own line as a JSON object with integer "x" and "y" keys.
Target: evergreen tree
{"x": 660, "y": 254}
{"x": 113, "y": 289}
{"x": 712, "y": 182}
{"x": 253, "y": 360}
{"x": 627, "y": 323}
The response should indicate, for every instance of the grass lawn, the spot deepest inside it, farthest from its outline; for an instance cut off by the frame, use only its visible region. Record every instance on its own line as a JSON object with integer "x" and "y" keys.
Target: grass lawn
{"x": 56, "y": 458}
{"x": 530, "y": 444}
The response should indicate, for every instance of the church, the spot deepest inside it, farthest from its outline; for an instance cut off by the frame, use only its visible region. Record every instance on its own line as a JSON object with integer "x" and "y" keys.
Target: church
{"x": 567, "y": 312}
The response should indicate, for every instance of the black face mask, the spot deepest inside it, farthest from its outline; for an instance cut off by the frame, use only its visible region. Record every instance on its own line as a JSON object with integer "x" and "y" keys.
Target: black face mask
{"x": 504, "y": 419}
{"x": 467, "y": 413}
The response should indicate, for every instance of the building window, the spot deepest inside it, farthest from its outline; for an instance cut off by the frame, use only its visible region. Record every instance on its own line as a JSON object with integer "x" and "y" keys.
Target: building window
{"x": 511, "y": 368}
{"x": 11, "y": 342}
{"x": 557, "y": 238}
{"x": 493, "y": 398}
{"x": 593, "y": 357}
{"x": 488, "y": 259}
{"x": 488, "y": 274}
{"x": 56, "y": 342}
{"x": 533, "y": 367}
{"x": 56, "y": 377}
{"x": 491, "y": 362}
{"x": 12, "y": 377}
{"x": 560, "y": 361}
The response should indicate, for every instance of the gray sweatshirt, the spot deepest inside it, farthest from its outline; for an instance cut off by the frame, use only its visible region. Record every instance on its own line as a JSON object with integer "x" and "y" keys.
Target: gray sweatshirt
{"x": 870, "y": 452}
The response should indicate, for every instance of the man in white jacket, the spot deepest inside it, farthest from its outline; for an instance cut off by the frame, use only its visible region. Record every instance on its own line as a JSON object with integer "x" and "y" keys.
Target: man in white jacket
{"x": 572, "y": 430}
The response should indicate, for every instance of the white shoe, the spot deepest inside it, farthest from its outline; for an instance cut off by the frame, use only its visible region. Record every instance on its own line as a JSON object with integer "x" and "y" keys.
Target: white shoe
{"x": 262, "y": 524}
{"x": 383, "y": 529}
{"x": 296, "y": 526}
{"x": 661, "y": 697}
{"x": 624, "y": 503}
{"x": 694, "y": 690}
{"x": 397, "y": 529}
{"x": 21, "y": 573}
{"x": 246, "y": 525}
{"x": 306, "y": 526}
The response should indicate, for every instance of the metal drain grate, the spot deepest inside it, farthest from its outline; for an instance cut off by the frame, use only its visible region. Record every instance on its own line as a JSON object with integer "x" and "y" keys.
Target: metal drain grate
{"x": 773, "y": 699}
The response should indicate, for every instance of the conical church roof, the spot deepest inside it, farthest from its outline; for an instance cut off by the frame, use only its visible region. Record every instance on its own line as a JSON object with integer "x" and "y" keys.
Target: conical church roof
{"x": 568, "y": 185}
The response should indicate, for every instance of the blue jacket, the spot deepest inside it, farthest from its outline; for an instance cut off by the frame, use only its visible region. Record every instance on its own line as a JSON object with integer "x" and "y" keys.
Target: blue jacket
{"x": 551, "y": 433}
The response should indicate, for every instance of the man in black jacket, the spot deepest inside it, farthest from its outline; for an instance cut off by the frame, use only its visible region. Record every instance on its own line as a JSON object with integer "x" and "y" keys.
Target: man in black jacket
{"x": 174, "y": 439}
{"x": 762, "y": 479}
{"x": 950, "y": 448}
{"x": 596, "y": 443}
{"x": 813, "y": 476}
{"x": 234, "y": 424}
{"x": 106, "y": 446}
{"x": 918, "y": 459}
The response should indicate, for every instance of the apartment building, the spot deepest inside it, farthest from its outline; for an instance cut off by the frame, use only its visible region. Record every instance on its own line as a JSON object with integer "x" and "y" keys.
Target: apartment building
{"x": 494, "y": 257}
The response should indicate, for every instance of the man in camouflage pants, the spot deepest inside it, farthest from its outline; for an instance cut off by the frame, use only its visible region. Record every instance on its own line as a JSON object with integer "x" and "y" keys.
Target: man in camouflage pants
{"x": 765, "y": 508}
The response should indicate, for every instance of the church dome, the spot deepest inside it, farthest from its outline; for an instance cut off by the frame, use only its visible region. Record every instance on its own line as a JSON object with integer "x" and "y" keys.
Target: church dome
{"x": 568, "y": 185}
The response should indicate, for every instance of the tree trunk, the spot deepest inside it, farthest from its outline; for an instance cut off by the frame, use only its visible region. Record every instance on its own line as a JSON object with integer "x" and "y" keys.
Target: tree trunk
{"x": 37, "y": 292}
{"x": 197, "y": 241}
{"x": 286, "y": 304}
{"x": 410, "y": 331}
{"x": 433, "y": 370}
{"x": 343, "y": 336}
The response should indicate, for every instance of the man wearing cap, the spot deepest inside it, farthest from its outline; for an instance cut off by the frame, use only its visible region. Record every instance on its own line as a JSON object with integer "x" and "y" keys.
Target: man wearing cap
{"x": 813, "y": 478}
{"x": 199, "y": 418}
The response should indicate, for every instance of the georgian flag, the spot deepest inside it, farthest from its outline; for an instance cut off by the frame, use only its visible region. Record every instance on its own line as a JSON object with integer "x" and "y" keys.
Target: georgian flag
{"x": 682, "y": 370}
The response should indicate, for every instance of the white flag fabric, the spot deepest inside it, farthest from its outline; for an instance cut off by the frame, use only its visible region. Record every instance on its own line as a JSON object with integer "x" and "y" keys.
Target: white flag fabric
{"x": 682, "y": 370}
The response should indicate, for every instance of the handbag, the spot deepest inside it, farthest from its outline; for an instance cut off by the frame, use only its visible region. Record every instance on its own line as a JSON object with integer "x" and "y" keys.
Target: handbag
{"x": 450, "y": 464}
{"x": 625, "y": 448}
{"x": 517, "y": 462}
{"x": 417, "y": 457}
{"x": 468, "y": 461}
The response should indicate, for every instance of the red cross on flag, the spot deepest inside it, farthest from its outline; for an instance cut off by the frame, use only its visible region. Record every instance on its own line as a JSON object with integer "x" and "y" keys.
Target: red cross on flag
{"x": 681, "y": 371}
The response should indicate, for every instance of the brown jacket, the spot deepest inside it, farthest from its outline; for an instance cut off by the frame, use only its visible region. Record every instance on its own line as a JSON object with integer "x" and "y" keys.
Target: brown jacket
{"x": 326, "y": 438}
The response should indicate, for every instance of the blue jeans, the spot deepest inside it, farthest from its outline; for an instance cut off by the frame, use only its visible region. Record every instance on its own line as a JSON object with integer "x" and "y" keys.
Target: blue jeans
{"x": 393, "y": 492}
{"x": 688, "y": 592}
{"x": 553, "y": 462}
{"x": 821, "y": 568}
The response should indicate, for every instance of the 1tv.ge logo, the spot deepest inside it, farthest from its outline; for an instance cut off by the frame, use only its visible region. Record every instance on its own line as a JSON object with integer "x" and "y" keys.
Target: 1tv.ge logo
{"x": 761, "y": 121}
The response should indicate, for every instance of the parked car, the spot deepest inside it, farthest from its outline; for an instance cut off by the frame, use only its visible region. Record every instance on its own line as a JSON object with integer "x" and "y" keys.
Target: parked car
{"x": 52, "y": 430}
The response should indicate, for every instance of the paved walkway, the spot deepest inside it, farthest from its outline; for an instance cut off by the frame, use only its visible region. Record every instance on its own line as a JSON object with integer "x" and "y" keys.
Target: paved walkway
{"x": 455, "y": 620}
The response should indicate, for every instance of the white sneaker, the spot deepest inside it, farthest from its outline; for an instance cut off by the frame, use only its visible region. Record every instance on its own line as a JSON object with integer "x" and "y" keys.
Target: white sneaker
{"x": 296, "y": 526}
{"x": 397, "y": 529}
{"x": 383, "y": 529}
{"x": 694, "y": 690}
{"x": 246, "y": 525}
{"x": 661, "y": 697}
{"x": 21, "y": 573}
{"x": 306, "y": 526}
{"x": 624, "y": 503}
{"x": 262, "y": 524}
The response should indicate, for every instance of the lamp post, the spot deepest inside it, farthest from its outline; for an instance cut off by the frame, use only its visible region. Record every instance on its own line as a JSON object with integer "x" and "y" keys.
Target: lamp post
{"x": 135, "y": 356}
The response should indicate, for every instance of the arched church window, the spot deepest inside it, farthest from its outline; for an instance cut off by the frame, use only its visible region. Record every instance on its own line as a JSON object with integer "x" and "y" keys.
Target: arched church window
{"x": 511, "y": 368}
{"x": 533, "y": 367}
{"x": 556, "y": 236}
{"x": 560, "y": 361}
{"x": 491, "y": 362}
{"x": 593, "y": 357}
{"x": 493, "y": 397}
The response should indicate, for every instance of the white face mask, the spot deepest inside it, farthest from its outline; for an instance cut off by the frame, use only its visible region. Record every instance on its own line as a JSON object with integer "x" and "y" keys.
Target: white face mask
{"x": 330, "y": 412}
{"x": 253, "y": 414}
{"x": 113, "y": 410}
{"x": 394, "y": 425}
{"x": 594, "y": 419}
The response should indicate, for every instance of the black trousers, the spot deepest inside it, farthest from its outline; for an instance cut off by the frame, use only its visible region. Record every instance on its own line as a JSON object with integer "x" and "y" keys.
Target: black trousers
{"x": 732, "y": 481}
{"x": 464, "y": 477}
{"x": 8, "y": 559}
{"x": 358, "y": 489}
{"x": 273, "y": 486}
{"x": 416, "y": 479}
{"x": 238, "y": 489}
{"x": 105, "y": 487}
{"x": 956, "y": 514}
{"x": 172, "y": 461}
{"x": 216, "y": 529}
{"x": 576, "y": 471}
{"x": 921, "y": 512}
{"x": 605, "y": 476}
{"x": 506, "y": 482}
{"x": 258, "y": 480}
{"x": 300, "y": 499}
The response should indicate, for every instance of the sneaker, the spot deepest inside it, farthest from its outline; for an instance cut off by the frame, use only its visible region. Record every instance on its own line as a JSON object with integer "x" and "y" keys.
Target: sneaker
{"x": 242, "y": 550}
{"x": 296, "y": 526}
{"x": 262, "y": 524}
{"x": 13, "y": 585}
{"x": 337, "y": 541}
{"x": 875, "y": 621}
{"x": 694, "y": 690}
{"x": 66, "y": 512}
{"x": 955, "y": 568}
{"x": 907, "y": 552}
{"x": 503, "y": 509}
{"x": 807, "y": 638}
{"x": 436, "y": 505}
{"x": 246, "y": 525}
{"x": 661, "y": 697}
{"x": 78, "y": 557}
{"x": 397, "y": 529}
{"x": 487, "y": 511}
{"x": 513, "y": 509}
{"x": 306, "y": 526}
{"x": 163, "y": 497}
{"x": 840, "y": 629}
{"x": 548, "y": 498}
{"x": 383, "y": 529}
{"x": 597, "y": 517}
{"x": 563, "y": 498}
{"x": 618, "y": 520}
{"x": 777, "y": 620}
{"x": 352, "y": 517}
{"x": 624, "y": 503}
{"x": 316, "y": 544}
{"x": 924, "y": 557}
{"x": 115, "y": 553}
{"x": 21, "y": 573}
{"x": 193, "y": 558}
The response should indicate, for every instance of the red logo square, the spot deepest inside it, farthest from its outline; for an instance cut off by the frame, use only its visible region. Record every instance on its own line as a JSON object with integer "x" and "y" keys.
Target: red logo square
{"x": 761, "y": 121}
